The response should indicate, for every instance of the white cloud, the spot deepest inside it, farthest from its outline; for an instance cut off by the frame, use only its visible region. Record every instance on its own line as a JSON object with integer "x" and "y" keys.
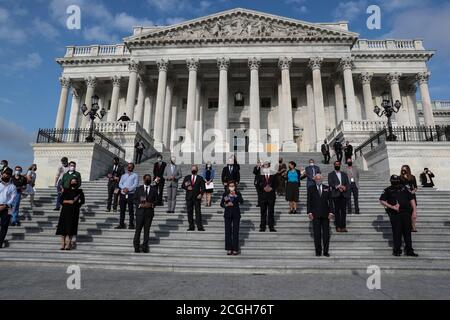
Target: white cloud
{"x": 177, "y": 6}
{"x": 175, "y": 20}
{"x": 45, "y": 29}
{"x": 350, "y": 10}
{"x": 9, "y": 31}
{"x": 32, "y": 61}
{"x": 392, "y": 5}
{"x": 15, "y": 143}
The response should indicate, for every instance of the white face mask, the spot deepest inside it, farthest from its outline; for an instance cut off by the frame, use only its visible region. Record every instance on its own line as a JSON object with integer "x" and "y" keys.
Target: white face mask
{"x": 266, "y": 171}
{"x": 173, "y": 160}
{"x": 18, "y": 173}
{"x": 311, "y": 164}
{"x": 232, "y": 189}
{"x": 72, "y": 169}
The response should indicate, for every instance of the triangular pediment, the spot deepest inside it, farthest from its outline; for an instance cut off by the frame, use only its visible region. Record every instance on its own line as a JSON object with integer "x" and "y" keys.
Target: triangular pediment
{"x": 240, "y": 25}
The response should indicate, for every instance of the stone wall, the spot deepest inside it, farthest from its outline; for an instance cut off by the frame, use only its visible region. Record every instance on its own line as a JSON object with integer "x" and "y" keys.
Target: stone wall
{"x": 92, "y": 160}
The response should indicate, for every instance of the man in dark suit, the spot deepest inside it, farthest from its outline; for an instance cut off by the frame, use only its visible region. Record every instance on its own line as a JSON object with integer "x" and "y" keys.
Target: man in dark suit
{"x": 267, "y": 185}
{"x": 348, "y": 151}
{"x": 320, "y": 212}
{"x": 338, "y": 150}
{"x": 114, "y": 174}
{"x": 158, "y": 174}
{"x": 4, "y": 168}
{"x": 340, "y": 192}
{"x": 231, "y": 173}
{"x": 195, "y": 187}
{"x": 144, "y": 199}
{"x": 257, "y": 173}
{"x": 310, "y": 172}
{"x": 325, "y": 148}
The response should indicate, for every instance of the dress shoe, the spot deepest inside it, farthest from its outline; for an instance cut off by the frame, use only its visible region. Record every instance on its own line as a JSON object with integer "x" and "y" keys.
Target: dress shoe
{"x": 108, "y": 210}
{"x": 131, "y": 226}
{"x": 326, "y": 255}
{"x": 262, "y": 230}
{"x": 191, "y": 229}
{"x": 396, "y": 254}
{"x": 318, "y": 254}
{"x": 56, "y": 209}
{"x": 18, "y": 224}
{"x": 235, "y": 253}
{"x": 338, "y": 229}
{"x": 137, "y": 250}
{"x": 145, "y": 249}
{"x": 345, "y": 230}
{"x": 120, "y": 227}
{"x": 229, "y": 253}
{"x": 273, "y": 230}
{"x": 411, "y": 254}
{"x": 201, "y": 229}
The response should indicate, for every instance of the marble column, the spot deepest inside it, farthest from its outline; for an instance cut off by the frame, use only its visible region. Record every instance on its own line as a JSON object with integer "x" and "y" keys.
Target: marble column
{"x": 287, "y": 121}
{"x": 311, "y": 133}
{"x": 339, "y": 97}
{"x": 319, "y": 110}
{"x": 346, "y": 64}
{"x": 134, "y": 68}
{"x": 158, "y": 130}
{"x": 173, "y": 126}
{"x": 366, "y": 80}
{"x": 91, "y": 84}
{"x": 402, "y": 116}
{"x": 411, "y": 90}
{"x": 113, "y": 112}
{"x": 193, "y": 65}
{"x": 62, "y": 106}
{"x": 422, "y": 79}
{"x": 255, "y": 121}
{"x": 75, "y": 109}
{"x": 223, "y": 64}
{"x": 141, "y": 101}
{"x": 167, "y": 114}
{"x": 280, "y": 112}
{"x": 148, "y": 113}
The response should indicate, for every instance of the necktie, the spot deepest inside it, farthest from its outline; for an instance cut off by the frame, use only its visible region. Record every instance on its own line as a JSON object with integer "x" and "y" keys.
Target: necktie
{"x": 193, "y": 180}
{"x": 267, "y": 179}
{"x": 319, "y": 188}
{"x": 231, "y": 169}
{"x": 146, "y": 191}
{"x": 314, "y": 172}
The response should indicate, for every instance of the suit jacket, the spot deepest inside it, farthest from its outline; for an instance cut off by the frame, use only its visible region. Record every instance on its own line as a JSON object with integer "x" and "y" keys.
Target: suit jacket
{"x": 198, "y": 187}
{"x": 348, "y": 150}
{"x": 423, "y": 179}
{"x": 177, "y": 174}
{"x": 257, "y": 173}
{"x": 117, "y": 174}
{"x": 273, "y": 183}
{"x": 333, "y": 181}
{"x": 233, "y": 176}
{"x": 355, "y": 172}
{"x": 309, "y": 173}
{"x": 325, "y": 148}
{"x": 158, "y": 170}
{"x": 337, "y": 147}
{"x": 319, "y": 205}
{"x": 152, "y": 197}
{"x": 235, "y": 210}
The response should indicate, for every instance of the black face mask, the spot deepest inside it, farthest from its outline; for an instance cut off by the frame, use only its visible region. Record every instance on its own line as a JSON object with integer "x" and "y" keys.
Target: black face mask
{"x": 194, "y": 172}
{"x": 147, "y": 182}
{"x": 403, "y": 171}
{"x": 4, "y": 179}
{"x": 350, "y": 164}
{"x": 73, "y": 186}
{"x": 396, "y": 184}
{"x": 337, "y": 168}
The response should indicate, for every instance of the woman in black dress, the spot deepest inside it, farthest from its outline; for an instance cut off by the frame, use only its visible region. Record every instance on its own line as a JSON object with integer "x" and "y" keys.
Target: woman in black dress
{"x": 410, "y": 182}
{"x": 71, "y": 200}
{"x": 231, "y": 201}
{"x": 293, "y": 177}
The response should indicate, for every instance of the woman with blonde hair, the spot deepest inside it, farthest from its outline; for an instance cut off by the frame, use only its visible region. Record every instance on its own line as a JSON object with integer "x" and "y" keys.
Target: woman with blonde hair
{"x": 410, "y": 182}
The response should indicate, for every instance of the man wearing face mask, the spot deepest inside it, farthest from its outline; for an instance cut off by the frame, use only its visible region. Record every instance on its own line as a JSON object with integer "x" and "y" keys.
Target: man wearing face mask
{"x": 195, "y": 187}
{"x": 158, "y": 174}
{"x": 4, "y": 168}
{"x": 325, "y": 149}
{"x": 400, "y": 206}
{"x": 231, "y": 173}
{"x": 114, "y": 173}
{"x": 310, "y": 173}
{"x": 128, "y": 185}
{"x": 71, "y": 174}
{"x": 353, "y": 175}
{"x": 257, "y": 173}
{"x": 20, "y": 182}
{"x": 7, "y": 195}
{"x": 172, "y": 174}
{"x": 139, "y": 147}
{"x": 340, "y": 192}
{"x": 62, "y": 169}
{"x": 145, "y": 199}
{"x": 268, "y": 184}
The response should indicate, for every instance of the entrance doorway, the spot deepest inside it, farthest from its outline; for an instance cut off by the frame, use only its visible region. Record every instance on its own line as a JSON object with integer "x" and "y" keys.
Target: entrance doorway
{"x": 240, "y": 140}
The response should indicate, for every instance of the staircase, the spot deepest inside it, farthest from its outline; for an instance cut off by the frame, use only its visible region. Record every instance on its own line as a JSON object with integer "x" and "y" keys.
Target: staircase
{"x": 290, "y": 250}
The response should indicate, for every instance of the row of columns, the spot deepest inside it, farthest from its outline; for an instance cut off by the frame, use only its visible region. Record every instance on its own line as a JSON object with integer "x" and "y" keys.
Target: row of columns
{"x": 316, "y": 110}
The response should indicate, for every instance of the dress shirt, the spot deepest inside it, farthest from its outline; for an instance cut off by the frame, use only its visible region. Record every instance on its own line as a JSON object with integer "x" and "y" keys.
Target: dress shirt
{"x": 129, "y": 181}
{"x": 7, "y": 193}
{"x": 339, "y": 175}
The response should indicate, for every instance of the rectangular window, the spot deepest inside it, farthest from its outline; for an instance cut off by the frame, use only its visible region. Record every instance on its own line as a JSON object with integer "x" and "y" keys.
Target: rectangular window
{"x": 266, "y": 103}
{"x": 213, "y": 103}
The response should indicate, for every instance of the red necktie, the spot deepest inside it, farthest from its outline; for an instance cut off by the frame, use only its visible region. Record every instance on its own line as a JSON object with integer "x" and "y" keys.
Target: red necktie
{"x": 193, "y": 180}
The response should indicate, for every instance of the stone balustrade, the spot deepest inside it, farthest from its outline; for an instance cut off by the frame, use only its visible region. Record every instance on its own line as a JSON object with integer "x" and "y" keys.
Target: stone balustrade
{"x": 96, "y": 50}
{"x": 436, "y": 105}
{"x": 369, "y": 45}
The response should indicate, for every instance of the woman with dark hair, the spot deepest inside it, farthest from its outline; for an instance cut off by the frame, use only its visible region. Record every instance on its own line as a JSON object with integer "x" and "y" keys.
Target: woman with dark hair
{"x": 209, "y": 175}
{"x": 231, "y": 201}
{"x": 292, "y": 187}
{"x": 71, "y": 200}
{"x": 410, "y": 182}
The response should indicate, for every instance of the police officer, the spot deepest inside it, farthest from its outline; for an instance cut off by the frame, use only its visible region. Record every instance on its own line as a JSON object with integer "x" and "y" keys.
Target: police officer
{"x": 401, "y": 207}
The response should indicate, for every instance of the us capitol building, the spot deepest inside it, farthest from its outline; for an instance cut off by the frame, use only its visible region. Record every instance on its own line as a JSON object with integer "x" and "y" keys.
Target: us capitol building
{"x": 275, "y": 83}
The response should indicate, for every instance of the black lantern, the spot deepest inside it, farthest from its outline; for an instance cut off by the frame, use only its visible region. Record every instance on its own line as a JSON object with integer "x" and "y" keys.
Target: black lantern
{"x": 388, "y": 108}
{"x": 239, "y": 96}
{"x": 92, "y": 114}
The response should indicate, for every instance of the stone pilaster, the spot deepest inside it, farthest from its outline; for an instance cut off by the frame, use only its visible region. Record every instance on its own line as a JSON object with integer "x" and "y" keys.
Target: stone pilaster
{"x": 366, "y": 80}
{"x": 134, "y": 68}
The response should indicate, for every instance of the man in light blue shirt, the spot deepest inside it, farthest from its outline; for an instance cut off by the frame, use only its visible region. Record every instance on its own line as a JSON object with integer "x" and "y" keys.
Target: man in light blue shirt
{"x": 7, "y": 195}
{"x": 128, "y": 185}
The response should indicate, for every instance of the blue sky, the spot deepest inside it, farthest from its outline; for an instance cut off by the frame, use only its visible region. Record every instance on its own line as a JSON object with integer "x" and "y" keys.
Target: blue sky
{"x": 33, "y": 33}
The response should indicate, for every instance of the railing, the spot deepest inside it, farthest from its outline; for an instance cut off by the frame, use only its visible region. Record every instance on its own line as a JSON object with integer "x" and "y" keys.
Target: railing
{"x": 355, "y": 126}
{"x": 78, "y": 136}
{"x": 96, "y": 50}
{"x": 119, "y": 126}
{"x": 406, "y": 134}
{"x": 443, "y": 105}
{"x": 364, "y": 44}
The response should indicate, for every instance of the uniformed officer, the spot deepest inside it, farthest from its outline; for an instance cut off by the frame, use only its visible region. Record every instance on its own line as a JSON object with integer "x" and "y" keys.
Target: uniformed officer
{"x": 401, "y": 207}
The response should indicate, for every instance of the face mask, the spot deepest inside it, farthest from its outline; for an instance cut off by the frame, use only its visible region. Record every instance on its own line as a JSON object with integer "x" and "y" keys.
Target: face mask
{"x": 173, "y": 160}
{"x": 230, "y": 162}
{"x": 18, "y": 173}
{"x": 147, "y": 182}
{"x": 349, "y": 164}
{"x": 337, "y": 168}
{"x": 311, "y": 164}
{"x": 4, "y": 179}
{"x": 72, "y": 169}
{"x": 318, "y": 183}
{"x": 65, "y": 164}
{"x": 73, "y": 185}
{"x": 2, "y": 166}
{"x": 208, "y": 166}
{"x": 266, "y": 171}
{"x": 280, "y": 161}
{"x": 194, "y": 172}
{"x": 159, "y": 160}
{"x": 232, "y": 189}
{"x": 395, "y": 184}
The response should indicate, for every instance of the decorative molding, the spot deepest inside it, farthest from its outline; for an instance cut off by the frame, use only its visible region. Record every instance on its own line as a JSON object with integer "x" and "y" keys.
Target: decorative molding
{"x": 254, "y": 63}
{"x": 193, "y": 64}
{"x": 346, "y": 63}
{"x": 91, "y": 82}
{"x": 223, "y": 63}
{"x": 365, "y": 78}
{"x": 65, "y": 82}
{"x": 116, "y": 81}
{"x": 315, "y": 63}
{"x": 423, "y": 77}
{"x": 162, "y": 64}
{"x": 93, "y": 61}
{"x": 393, "y": 78}
{"x": 284, "y": 63}
{"x": 134, "y": 66}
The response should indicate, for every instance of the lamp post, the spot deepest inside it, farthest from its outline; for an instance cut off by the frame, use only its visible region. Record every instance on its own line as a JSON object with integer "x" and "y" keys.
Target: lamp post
{"x": 389, "y": 108}
{"x": 92, "y": 114}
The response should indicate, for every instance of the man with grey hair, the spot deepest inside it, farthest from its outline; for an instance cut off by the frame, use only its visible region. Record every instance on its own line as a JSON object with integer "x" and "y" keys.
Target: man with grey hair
{"x": 172, "y": 174}
{"x": 268, "y": 185}
{"x": 195, "y": 187}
